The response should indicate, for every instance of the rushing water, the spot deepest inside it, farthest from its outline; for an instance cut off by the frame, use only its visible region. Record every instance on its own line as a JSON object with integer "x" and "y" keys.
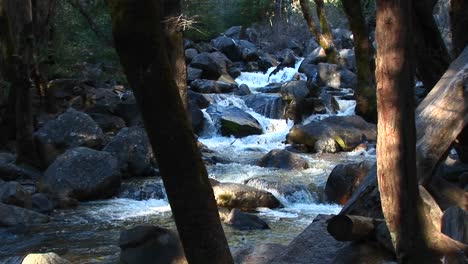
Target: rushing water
{"x": 89, "y": 233}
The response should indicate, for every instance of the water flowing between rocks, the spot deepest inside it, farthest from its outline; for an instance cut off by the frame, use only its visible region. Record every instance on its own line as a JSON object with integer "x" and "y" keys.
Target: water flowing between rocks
{"x": 89, "y": 233}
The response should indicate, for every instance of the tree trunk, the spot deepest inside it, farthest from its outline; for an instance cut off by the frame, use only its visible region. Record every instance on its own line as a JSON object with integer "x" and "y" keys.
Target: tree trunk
{"x": 141, "y": 45}
{"x": 324, "y": 41}
{"x": 326, "y": 32}
{"x": 458, "y": 21}
{"x": 432, "y": 57}
{"x": 396, "y": 152}
{"x": 365, "y": 92}
{"x": 352, "y": 227}
{"x": 172, "y": 14}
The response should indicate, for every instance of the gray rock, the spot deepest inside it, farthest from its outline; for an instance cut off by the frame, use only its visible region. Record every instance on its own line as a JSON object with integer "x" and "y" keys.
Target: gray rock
{"x": 233, "y": 32}
{"x": 198, "y": 99}
{"x": 128, "y": 111}
{"x": 213, "y": 64}
{"x": 267, "y": 61}
{"x": 44, "y": 258}
{"x": 364, "y": 252}
{"x": 41, "y": 204}
{"x": 263, "y": 253}
{"x": 13, "y": 193}
{"x": 313, "y": 246}
{"x": 242, "y": 90}
{"x": 332, "y": 75}
{"x": 293, "y": 190}
{"x": 103, "y": 101}
{"x": 133, "y": 151}
{"x": 244, "y": 221}
{"x": 150, "y": 244}
{"x": 234, "y": 121}
{"x": 13, "y": 216}
{"x": 13, "y": 172}
{"x": 70, "y": 129}
{"x": 228, "y": 46}
{"x": 269, "y": 105}
{"x": 344, "y": 180}
{"x": 271, "y": 88}
{"x": 193, "y": 74}
{"x": 233, "y": 195}
{"x": 190, "y": 54}
{"x": 84, "y": 174}
{"x": 346, "y": 131}
{"x": 210, "y": 86}
{"x": 108, "y": 123}
{"x": 283, "y": 159}
{"x": 197, "y": 118}
{"x": 347, "y": 59}
{"x": 295, "y": 90}
{"x": 138, "y": 190}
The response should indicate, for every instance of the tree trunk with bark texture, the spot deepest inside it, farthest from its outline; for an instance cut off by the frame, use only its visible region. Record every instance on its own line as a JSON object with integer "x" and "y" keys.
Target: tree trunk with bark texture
{"x": 396, "y": 163}
{"x": 458, "y": 21}
{"x": 365, "y": 92}
{"x": 324, "y": 41}
{"x": 141, "y": 45}
{"x": 172, "y": 16}
{"x": 432, "y": 57}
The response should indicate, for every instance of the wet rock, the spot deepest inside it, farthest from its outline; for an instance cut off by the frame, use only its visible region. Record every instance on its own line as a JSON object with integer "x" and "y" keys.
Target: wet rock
{"x": 295, "y": 90}
{"x": 310, "y": 62}
{"x": 41, "y": 204}
{"x": 13, "y": 216}
{"x": 213, "y": 64}
{"x": 234, "y": 121}
{"x": 244, "y": 221}
{"x": 364, "y": 252}
{"x": 242, "y": 90}
{"x": 133, "y": 151}
{"x": 44, "y": 258}
{"x": 84, "y": 174}
{"x": 150, "y": 244}
{"x": 108, "y": 123}
{"x": 294, "y": 191}
{"x": 193, "y": 74}
{"x": 196, "y": 117}
{"x": 263, "y": 253}
{"x": 210, "y": 86}
{"x": 198, "y": 99}
{"x": 344, "y": 180}
{"x": 296, "y": 47}
{"x": 346, "y": 131}
{"x": 267, "y": 61}
{"x": 287, "y": 58}
{"x": 313, "y": 246}
{"x": 228, "y": 46}
{"x": 13, "y": 193}
{"x": 269, "y": 105}
{"x": 142, "y": 190}
{"x": 332, "y": 75}
{"x": 13, "y": 172}
{"x": 190, "y": 54}
{"x": 70, "y": 129}
{"x": 233, "y": 195}
{"x": 271, "y": 88}
{"x": 283, "y": 159}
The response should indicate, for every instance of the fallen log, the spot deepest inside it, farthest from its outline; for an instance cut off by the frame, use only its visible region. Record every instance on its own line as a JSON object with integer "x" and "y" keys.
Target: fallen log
{"x": 352, "y": 227}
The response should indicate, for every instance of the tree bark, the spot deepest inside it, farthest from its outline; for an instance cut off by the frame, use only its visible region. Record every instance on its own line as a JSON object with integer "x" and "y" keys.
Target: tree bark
{"x": 396, "y": 163}
{"x": 432, "y": 57}
{"x": 172, "y": 15}
{"x": 324, "y": 41}
{"x": 458, "y": 21}
{"x": 352, "y": 227}
{"x": 141, "y": 45}
{"x": 365, "y": 92}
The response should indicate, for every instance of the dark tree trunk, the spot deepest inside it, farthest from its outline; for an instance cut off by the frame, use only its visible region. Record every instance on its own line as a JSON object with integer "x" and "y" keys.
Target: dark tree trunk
{"x": 432, "y": 57}
{"x": 172, "y": 14}
{"x": 365, "y": 92}
{"x": 324, "y": 41}
{"x": 396, "y": 142}
{"x": 458, "y": 21}
{"x": 141, "y": 45}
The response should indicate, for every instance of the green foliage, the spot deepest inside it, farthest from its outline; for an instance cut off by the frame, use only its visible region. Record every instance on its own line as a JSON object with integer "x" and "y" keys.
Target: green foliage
{"x": 74, "y": 42}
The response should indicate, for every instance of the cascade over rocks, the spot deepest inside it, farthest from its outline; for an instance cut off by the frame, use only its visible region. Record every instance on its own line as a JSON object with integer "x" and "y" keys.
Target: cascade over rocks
{"x": 150, "y": 244}
{"x": 292, "y": 191}
{"x": 84, "y": 174}
{"x": 233, "y": 195}
{"x": 70, "y": 129}
{"x": 13, "y": 216}
{"x": 323, "y": 136}
{"x": 234, "y": 121}
{"x": 133, "y": 151}
{"x": 283, "y": 159}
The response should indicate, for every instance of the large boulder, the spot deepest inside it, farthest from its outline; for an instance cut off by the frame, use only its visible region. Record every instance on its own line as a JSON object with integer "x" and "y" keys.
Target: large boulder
{"x": 133, "y": 151}
{"x": 193, "y": 74}
{"x": 107, "y": 122}
{"x": 333, "y": 133}
{"x": 70, "y": 129}
{"x": 344, "y": 179}
{"x": 245, "y": 221}
{"x": 263, "y": 253}
{"x": 295, "y": 90}
{"x": 283, "y": 159}
{"x": 84, "y": 174}
{"x": 190, "y": 54}
{"x": 103, "y": 101}
{"x": 269, "y": 105}
{"x": 233, "y": 195}
{"x": 211, "y": 86}
{"x": 313, "y": 246}
{"x": 13, "y": 193}
{"x": 13, "y": 216}
{"x": 234, "y": 121}
{"x": 213, "y": 64}
{"x": 150, "y": 244}
{"x": 228, "y": 46}
{"x": 13, "y": 172}
{"x": 334, "y": 76}
{"x": 41, "y": 203}
{"x": 364, "y": 252}
{"x": 44, "y": 258}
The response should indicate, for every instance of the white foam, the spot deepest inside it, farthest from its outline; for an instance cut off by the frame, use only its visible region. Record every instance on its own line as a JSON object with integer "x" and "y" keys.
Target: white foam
{"x": 121, "y": 209}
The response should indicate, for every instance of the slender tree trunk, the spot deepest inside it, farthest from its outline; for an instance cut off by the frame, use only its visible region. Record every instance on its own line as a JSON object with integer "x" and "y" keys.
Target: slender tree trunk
{"x": 324, "y": 40}
{"x": 365, "y": 91}
{"x": 141, "y": 45}
{"x": 432, "y": 57}
{"x": 172, "y": 14}
{"x": 458, "y": 21}
{"x": 396, "y": 142}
